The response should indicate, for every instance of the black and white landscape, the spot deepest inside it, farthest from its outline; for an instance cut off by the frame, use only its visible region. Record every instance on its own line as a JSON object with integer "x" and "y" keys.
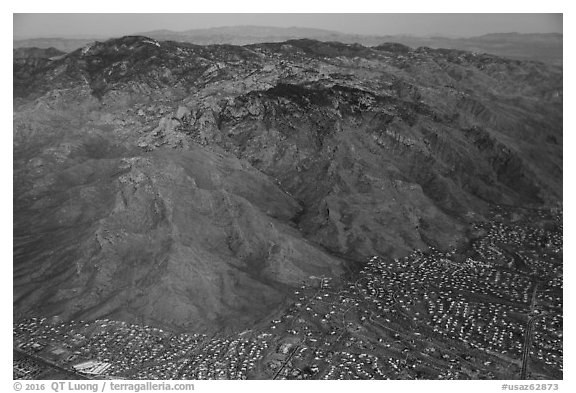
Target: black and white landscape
{"x": 216, "y": 205}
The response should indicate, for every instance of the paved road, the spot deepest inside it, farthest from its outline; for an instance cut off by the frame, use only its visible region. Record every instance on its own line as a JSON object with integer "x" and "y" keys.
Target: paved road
{"x": 286, "y": 361}
{"x": 529, "y": 333}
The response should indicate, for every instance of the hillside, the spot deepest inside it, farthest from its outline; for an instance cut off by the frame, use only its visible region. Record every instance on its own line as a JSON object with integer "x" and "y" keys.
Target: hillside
{"x": 36, "y": 53}
{"x": 192, "y": 187}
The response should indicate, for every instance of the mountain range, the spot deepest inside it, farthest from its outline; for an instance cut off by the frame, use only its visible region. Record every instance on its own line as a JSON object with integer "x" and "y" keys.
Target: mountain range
{"x": 193, "y": 186}
{"x": 546, "y": 48}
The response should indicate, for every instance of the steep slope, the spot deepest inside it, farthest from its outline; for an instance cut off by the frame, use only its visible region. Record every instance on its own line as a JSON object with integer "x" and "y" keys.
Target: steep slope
{"x": 193, "y": 185}
{"x": 186, "y": 240}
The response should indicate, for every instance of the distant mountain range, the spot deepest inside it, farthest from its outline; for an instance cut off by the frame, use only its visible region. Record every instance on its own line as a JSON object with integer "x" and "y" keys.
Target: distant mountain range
{"x": 546, "y": 48}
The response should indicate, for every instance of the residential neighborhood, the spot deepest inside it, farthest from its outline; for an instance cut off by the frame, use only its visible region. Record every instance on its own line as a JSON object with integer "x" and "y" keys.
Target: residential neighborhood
{"x": 494, "y": 311}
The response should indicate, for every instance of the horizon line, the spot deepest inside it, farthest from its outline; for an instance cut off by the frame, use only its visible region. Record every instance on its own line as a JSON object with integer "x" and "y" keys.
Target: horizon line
{"x": 99, "y": 36}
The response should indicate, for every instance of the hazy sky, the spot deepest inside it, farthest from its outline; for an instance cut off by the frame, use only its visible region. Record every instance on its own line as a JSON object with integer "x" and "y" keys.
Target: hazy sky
{"x": 461, "y": 25}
